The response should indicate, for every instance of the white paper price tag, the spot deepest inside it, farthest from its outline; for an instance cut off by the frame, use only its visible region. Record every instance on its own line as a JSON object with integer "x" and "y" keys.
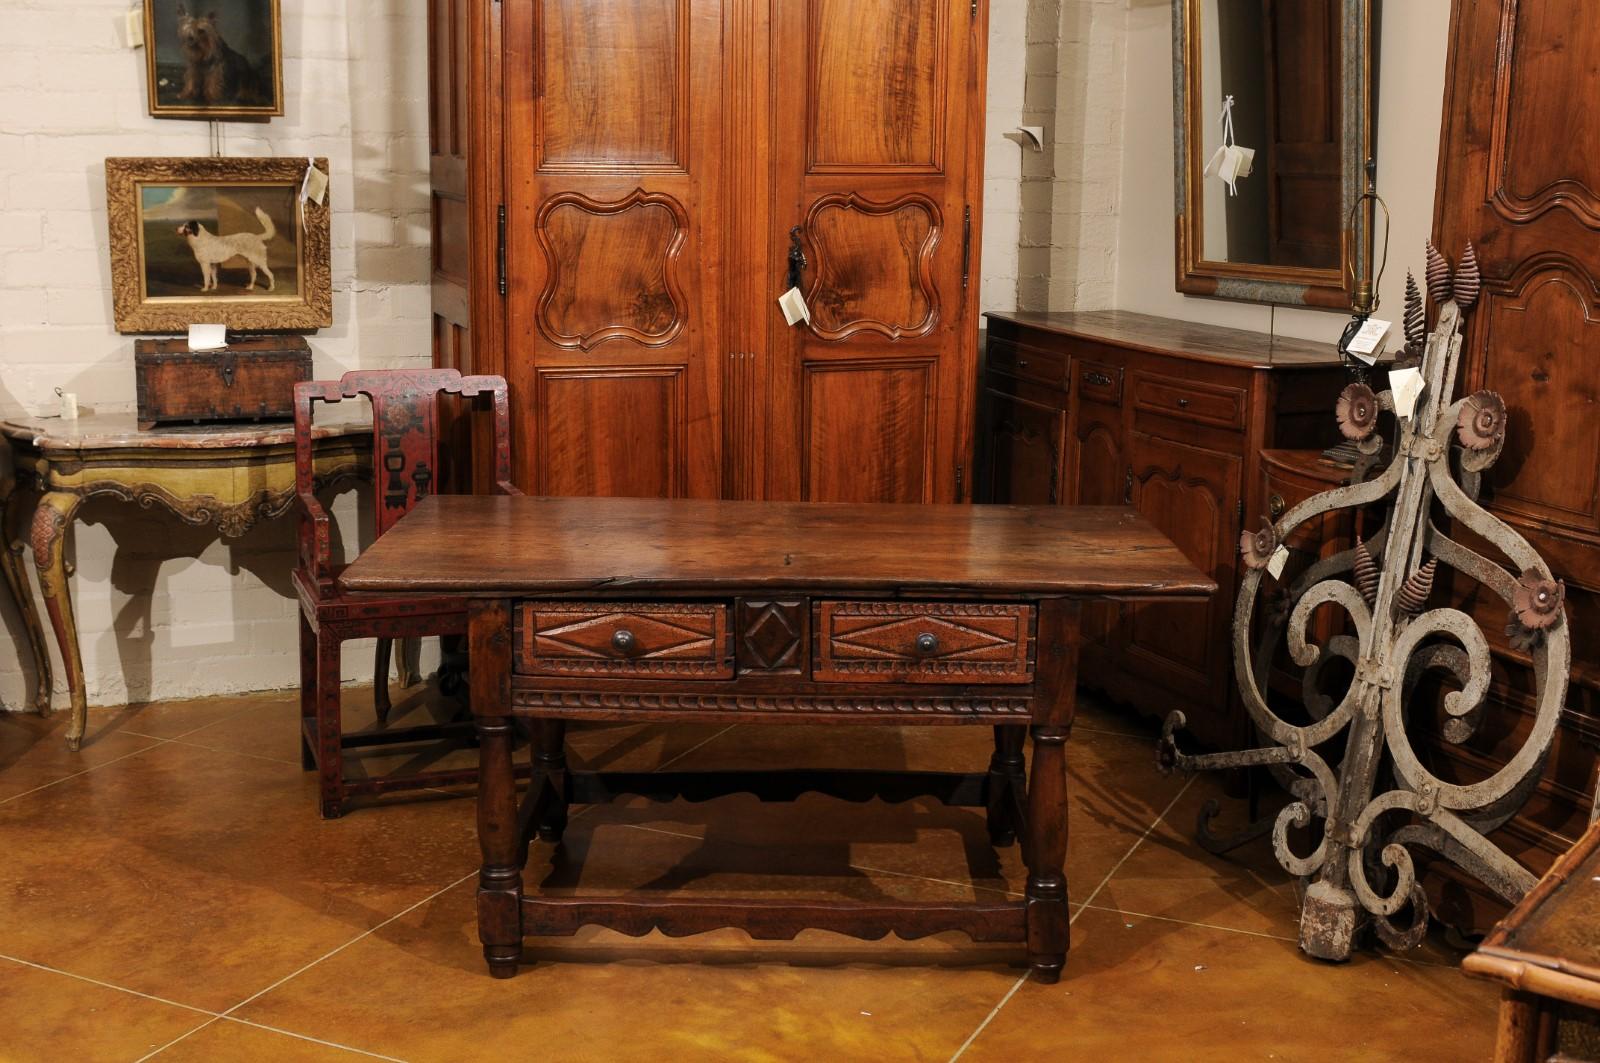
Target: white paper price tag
{"x": 1275, "y": 564}
{"x": 794, "y": 307}
{"x": 1365, "y": 343}
{"x": 133, "y": 27}
{"x": 208, "y": 337}
{"x": 315, "y": 185}
{"x": 1406, "y": 385}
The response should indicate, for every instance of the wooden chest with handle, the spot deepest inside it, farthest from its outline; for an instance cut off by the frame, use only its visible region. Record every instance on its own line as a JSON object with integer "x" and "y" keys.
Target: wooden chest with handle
{"x": 249, "y": 380}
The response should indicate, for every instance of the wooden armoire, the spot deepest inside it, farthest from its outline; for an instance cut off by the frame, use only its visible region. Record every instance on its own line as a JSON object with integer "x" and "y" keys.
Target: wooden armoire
{"x": 617, "y": 187}
{"x": 1519, "y": 178}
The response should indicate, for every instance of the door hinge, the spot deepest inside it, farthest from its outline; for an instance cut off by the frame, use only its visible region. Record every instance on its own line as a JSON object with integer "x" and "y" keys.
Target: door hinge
{"x": 1127, "y": 487}
{"x": 966, "y": 244}
{"x": 974, "y": 9}
{"x": 961, "y": 473}
{"x": 500, "y": 250}
{"x": 1238, "y": 516}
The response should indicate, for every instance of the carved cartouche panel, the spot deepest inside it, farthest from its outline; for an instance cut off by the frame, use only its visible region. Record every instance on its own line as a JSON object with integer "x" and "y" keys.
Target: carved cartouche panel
{"x": 612, "y": 269}
{"x": 873, "y": 266}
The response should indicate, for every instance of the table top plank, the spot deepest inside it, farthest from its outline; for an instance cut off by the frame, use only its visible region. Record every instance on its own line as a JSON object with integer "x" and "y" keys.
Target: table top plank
{"x": 493, "y": 545}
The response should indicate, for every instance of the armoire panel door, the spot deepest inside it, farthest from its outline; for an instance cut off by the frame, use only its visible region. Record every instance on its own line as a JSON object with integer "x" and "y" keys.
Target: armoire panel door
{"x": 612, "y": 156}
{"x": 876, "y": 142}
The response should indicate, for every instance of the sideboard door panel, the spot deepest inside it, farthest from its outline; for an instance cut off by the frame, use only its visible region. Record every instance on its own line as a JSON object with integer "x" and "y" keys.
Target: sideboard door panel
{"x": 1192, "y": 495}
{"x": 873, "y": 159}
{"x": 613, "y": 257}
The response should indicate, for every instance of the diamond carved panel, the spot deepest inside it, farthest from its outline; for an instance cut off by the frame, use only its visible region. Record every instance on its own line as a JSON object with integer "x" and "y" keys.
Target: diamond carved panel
{"x": 772, "y": 636}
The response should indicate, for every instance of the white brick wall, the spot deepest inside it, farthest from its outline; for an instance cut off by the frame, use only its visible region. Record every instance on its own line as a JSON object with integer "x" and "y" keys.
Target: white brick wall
{"x": 165, "y": 610}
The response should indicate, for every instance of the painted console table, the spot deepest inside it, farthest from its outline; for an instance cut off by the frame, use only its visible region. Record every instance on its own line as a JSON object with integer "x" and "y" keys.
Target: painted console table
{"x": 228, "y": 476}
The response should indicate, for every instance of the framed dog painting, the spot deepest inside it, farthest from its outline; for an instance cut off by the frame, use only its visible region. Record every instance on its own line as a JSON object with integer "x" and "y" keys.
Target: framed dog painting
{"x": 214, "y": 59}
{"x": 217, "y": 241}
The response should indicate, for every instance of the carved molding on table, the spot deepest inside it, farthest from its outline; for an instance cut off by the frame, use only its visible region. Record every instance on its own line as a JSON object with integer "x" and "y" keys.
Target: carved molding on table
{"x": 844, "y": 705}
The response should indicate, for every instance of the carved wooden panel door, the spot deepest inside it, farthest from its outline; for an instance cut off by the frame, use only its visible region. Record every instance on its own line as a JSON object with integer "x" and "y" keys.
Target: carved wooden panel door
{"x": 613, "y": 198}
{"x": 1520, "y": 179}
{"x": 878, "y": 115}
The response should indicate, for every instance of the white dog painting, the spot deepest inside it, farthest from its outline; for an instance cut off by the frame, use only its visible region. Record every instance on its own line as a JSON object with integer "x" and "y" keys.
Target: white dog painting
{"x": 212, "y": 250}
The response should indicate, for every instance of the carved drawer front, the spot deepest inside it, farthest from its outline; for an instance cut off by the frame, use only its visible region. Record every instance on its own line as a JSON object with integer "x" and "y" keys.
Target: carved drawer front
{"x": 1189, "y": 400}
{"x": 1099, "y": 381}
{"x": 1028, "y": 362}
{"x": 895, "y": 642}
{"x": 601, "y": 639}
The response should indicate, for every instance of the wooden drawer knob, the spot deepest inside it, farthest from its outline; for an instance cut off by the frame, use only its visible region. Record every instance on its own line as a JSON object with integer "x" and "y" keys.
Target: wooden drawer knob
{"x": 624, "y": 642}
{"x": 927, "y": 643}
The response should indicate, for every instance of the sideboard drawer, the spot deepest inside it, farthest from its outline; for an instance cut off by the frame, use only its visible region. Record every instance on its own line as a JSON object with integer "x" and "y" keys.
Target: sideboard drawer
{"x": 1028, "y": 362}
{"x": 913, "y": 642}
{"x": 682, "y": 641}
{"x": 1189, "y": 400}
{"x": 1099, "y": 381}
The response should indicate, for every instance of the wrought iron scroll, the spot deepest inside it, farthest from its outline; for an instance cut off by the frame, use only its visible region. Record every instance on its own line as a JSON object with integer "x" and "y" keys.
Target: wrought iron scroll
{"x": 1375, "y": 798}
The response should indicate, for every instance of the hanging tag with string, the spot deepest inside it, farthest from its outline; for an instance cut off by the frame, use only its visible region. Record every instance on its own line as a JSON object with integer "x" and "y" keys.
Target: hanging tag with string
{"x": 1230, "y": 162}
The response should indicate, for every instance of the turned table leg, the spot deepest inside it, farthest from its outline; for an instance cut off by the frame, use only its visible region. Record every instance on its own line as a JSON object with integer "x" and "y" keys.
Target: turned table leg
{"x": 1046, "y": 853}
{"x": 1006, "y": 779}
{"x": 17, "y": 580}
{"x": 1044, "y": 847}
{"x": 550, "y": 771}
{"x": 503, "y": 847}
{"x": 51, "y": 522}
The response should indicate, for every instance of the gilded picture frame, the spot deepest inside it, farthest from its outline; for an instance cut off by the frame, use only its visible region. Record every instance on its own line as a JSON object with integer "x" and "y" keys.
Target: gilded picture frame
{"x": 214, "y": 60}
{"x": 217, "y": 241}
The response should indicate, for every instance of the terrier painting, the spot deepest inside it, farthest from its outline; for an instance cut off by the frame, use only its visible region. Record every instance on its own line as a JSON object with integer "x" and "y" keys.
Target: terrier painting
{"x": 214, "y": 58}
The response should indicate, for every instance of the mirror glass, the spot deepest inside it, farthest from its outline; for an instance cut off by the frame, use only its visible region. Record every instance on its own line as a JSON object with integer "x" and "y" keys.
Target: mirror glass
{"x": 1279, "y": 62}
{"x": 1275, "y": 130}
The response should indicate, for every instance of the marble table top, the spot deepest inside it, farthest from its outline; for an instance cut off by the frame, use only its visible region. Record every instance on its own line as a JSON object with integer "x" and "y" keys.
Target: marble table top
{"x": 108, "y": 431}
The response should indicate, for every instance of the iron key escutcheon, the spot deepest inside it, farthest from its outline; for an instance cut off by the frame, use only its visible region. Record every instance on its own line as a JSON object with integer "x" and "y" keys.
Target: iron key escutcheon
{"x": 927, "y": 643}
{"x": 797, "y": 260}
{"x": 624, "y": 642}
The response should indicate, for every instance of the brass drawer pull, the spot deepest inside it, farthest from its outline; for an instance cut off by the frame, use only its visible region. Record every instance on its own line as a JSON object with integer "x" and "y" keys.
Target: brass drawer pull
{"x": 1183, "y": 404}
{"x": 1276, "y": 506}
{"x": 927, "y": 643}
{"x": 1097, "y": 378}
{"x": 624, "y": 642}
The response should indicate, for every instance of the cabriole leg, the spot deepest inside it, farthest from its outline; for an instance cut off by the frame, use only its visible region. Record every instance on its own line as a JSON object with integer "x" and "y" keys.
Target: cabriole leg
{"x": 51, "y": 521}
{"x": 17, "y": 579}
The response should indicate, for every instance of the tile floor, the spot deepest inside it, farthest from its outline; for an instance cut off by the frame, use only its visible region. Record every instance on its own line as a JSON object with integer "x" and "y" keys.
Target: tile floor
{"x": 170, "y": 893}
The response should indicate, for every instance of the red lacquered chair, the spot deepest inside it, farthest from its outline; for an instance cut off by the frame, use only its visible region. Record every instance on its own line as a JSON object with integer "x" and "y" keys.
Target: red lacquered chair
{"x": 405, "y": 436}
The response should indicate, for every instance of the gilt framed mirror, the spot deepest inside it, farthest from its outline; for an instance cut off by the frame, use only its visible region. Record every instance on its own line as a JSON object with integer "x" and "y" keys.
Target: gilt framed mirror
{"x": 1301, "y": 77}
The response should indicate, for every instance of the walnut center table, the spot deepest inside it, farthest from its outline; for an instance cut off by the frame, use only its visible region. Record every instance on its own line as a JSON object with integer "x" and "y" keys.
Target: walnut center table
{"x": 764, "y": 612}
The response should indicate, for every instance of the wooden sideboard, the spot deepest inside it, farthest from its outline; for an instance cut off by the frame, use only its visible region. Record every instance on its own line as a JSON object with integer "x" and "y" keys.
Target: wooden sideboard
{"x": 1108, "y": 407}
